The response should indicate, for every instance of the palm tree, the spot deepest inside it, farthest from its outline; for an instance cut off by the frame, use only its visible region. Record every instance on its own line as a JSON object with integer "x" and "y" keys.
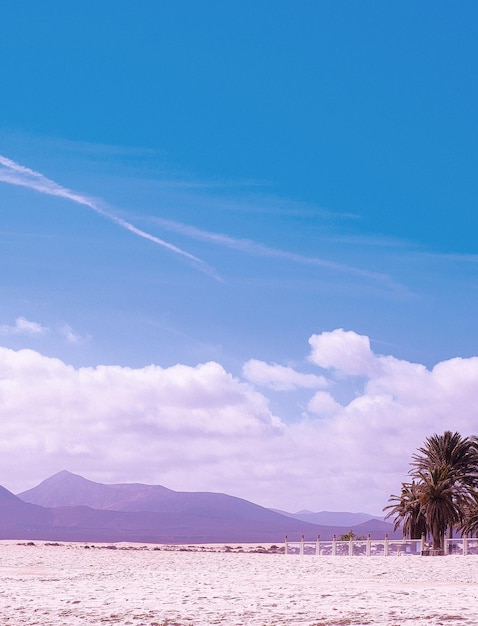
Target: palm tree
{"x": 407, "y": 511}
{"x": 457, "y": 456}
{"x": 443, "y": 493}
{"x": 442, "y": 502}
{"x": 469, "y": 525}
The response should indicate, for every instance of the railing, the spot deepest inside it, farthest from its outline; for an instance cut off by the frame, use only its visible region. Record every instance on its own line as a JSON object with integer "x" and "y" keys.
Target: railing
{"x": 461, "y": 546}
{"x": 374, "y": 547}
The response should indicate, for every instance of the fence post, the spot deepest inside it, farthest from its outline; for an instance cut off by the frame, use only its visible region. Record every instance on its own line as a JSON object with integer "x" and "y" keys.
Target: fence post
{"x": 317, "y": 546}
{"x": 367, "y": 551}
{"x": 445, "y": 546}
{"x": 351, "y": 545}
{"x": 465, "y": 545}
{"x": 385, "y": 546}
{"x": 423, "y": 544}
{"x": 334, "y": 546}
{"x": 302, "y": 546}
{"x": 286, "y": 546}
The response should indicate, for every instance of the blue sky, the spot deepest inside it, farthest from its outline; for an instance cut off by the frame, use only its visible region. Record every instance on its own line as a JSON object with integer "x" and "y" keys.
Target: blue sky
{"x": 188, "y": 183}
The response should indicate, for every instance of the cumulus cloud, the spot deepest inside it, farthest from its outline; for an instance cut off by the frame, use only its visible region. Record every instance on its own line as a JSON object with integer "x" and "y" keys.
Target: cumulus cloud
{"x": 134, "y": 423}
{"x": 23, "y": 326}
{"x": 279, "y": 377}
{"x": 323, "y": 404}
{"x": 201, "y": 428}
{"x": 345, "y": 351}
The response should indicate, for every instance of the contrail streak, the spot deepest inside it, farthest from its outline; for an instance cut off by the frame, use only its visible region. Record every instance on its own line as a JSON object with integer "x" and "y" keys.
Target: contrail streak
{"x": 16, "y": 174}
{"x": 258, "y": 249}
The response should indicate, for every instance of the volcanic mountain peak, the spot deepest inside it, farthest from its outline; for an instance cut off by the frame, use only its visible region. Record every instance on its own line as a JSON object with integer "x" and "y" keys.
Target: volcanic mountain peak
{"x": 67, "y": 489}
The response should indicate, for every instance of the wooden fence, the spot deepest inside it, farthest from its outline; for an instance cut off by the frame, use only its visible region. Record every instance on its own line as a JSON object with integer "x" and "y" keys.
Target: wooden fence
{"x": 376, "y": 547}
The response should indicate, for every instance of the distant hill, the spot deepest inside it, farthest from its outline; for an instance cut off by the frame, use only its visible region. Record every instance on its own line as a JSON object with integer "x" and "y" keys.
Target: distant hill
{"x": 68, "y": 507}
{"x": 16, "y": 515}
{"x": 376, "y": 529}
{"x": 330, "y": 518}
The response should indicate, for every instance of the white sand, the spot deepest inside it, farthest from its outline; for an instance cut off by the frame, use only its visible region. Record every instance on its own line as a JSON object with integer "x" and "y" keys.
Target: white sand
{"x": 69, "y": 585}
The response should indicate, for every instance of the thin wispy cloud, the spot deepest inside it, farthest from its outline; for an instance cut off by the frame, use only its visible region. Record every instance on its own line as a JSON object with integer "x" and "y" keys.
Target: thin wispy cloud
{"x": 16, "y": 174}
{"x": 71, "y": 337}
{"x": 280, "y": 377}
{"x": 29, "y": 328}
{"x": 376, "y": 241}
{"x": 23, "y": 326}
{"x": 446, "y": 256}
{"x": 253, "y": 248}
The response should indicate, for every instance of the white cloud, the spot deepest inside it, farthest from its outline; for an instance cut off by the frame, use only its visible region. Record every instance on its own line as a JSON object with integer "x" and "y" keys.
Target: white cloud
{"x": 134, "y": 423}
{"x": 200, "y": 428}
{"x": 280, "y": 378}
{"x": 345, "y": 351}
{"x": 323, "y": 404}
{"x": 23, "y": 326}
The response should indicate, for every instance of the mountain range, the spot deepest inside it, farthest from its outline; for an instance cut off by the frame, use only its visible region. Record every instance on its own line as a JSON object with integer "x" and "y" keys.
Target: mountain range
{"x": 331, "y": 518}
{"x": 68, "y": 507}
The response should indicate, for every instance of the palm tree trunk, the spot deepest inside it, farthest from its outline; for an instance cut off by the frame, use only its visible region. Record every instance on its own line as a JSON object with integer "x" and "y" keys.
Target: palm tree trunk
{"x": 437, "y": 536}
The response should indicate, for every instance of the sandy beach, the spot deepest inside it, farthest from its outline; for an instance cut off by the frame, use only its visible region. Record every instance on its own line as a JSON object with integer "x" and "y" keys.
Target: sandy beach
{"x": 71, "y": 584}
